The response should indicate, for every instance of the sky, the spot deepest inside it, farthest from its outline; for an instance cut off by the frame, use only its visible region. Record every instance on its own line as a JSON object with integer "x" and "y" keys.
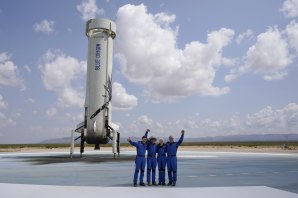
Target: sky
{"x": 212, "y": 68}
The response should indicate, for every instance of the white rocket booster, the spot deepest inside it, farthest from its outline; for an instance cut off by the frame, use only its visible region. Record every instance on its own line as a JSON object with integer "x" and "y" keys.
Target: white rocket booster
{"x": 96, "y": 127}
{"x": 100, "y": 34}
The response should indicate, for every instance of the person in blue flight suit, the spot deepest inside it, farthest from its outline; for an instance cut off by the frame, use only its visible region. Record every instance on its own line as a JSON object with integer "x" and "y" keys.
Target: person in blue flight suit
{"x": 172, "y": 148}
{"x": 140, "y": 161}
{"x": 161, "y": 150}
{"x": 151, "y": 159}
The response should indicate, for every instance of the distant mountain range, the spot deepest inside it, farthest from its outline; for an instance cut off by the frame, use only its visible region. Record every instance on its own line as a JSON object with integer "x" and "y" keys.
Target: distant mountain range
{"x": 229, "y": 138}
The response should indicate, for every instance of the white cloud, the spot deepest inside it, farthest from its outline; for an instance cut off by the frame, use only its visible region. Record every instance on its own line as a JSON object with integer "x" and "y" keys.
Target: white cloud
{"x": 266, "y": 121}
{"x": 158, "y": 129}
{"x": 89, "y": 9}
{"x": 42, "y": 133}
{"x": 9, "y": 72}
{"x": 16, "y": 114}
{"x": 292, "y": 33}
{"x": 115, "y": 126}
{"x": 149, "y": 55}
{"x": 245, "y": 35}
{"x": 284, "y": 119}
{"x": 121, "y": 99}
{"x": 139, "y": 126}
{"x": 290, "y": 8}
{"x": 145, "y": 120}
{"x": 164, "y": 19}
{"x": 58, "y": 72}
{"x": 268, "y": 57}
{"x": 45, "y": 26}
{"x": 51, "y": 112}
{"x": 27, "y": 68}
{"x": 30, "y": 100}
{"x": 5, "y": 121}
{"x": 190, "y": 124}
{"x": 75, "y": 117}
{"x": 229, "y": 62}
{"x": 263, "y": 118}
{"x": 3, "y": 103}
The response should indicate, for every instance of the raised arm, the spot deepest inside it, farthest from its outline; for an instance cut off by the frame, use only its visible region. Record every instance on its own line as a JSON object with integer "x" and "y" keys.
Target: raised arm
{"x": 132, "y": 143}
{"x": 181, "y": 138}
{"x": 146, "y": 133}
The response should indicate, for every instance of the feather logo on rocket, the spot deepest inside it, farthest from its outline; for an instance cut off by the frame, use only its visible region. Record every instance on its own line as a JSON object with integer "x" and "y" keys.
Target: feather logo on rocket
{"x": 97, "y": 56}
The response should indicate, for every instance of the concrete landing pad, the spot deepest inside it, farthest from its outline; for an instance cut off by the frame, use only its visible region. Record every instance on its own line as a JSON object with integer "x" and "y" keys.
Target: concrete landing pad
{"x": 46, "y": 191}
{"x": 196, "y": 170}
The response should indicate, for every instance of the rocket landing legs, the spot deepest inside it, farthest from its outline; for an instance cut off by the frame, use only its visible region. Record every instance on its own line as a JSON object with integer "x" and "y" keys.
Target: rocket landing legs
{"x": 118, "y": 144}
{"x": 72, "y": 143}
{"x": 115, "y": 144}
{"x": 82, "y": 145}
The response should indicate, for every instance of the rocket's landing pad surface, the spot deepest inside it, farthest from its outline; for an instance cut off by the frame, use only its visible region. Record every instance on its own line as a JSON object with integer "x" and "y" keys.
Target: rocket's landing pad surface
{"x": 230, "y": 174}
{"x": 46, "y": 191}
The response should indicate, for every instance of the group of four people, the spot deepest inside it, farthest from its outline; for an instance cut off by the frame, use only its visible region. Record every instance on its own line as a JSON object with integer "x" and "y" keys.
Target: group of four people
{"x": 166, "y": 157}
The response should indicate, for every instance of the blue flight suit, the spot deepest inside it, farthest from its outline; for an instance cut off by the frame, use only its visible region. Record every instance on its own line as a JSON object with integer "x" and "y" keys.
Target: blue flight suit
{"x": 151, "y": 160}
{"x": 161, "y": 161}
{"x": 140, "y": 160}
{"x": 172, "y": 159}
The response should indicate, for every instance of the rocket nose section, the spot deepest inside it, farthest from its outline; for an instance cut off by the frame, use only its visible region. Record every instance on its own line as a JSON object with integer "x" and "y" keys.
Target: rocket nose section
{"x": 103, "y": 24}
